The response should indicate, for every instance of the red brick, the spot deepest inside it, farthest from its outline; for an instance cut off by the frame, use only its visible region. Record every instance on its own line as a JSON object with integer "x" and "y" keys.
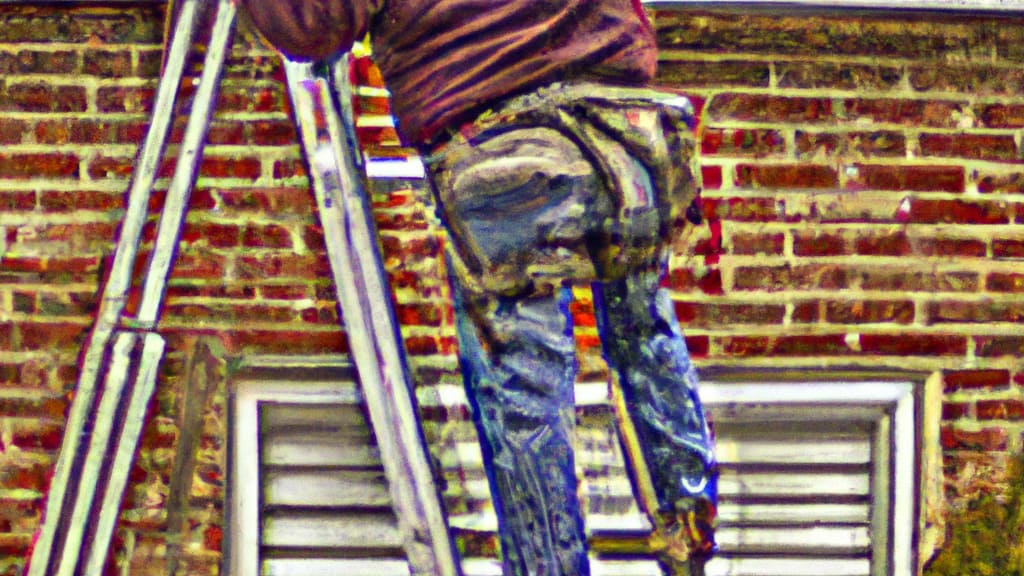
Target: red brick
{"x": 949, "y": 247}
{"x": 682, "y": 280}
{"x": 879, "y": 143}
{"x": 41, "y": 335}
{"x": 928, "y": 211}
{"x": 892, "y": 244}
{"x": 717, "y": 73}
{"x": 976, "y": 380}
{"x": 17, "y": 201}
{"x": 914, "y": 344}
{"x": 272, "y": 132}
{"x": 975, "y": 312}
{"x": 203, "y": 266}
{"x": 999, "y": 345}
{"x": 819, "y": 244}
{"x": 711, "y": 282}
{"x": 909, "y": 178}
{"x": 41, "y": 97}
{"x": 276, "y": 200}
{"x": 786, "y": 176}
{"x": 763, "y": 108}
{"x": 26, "y": 166}
{"x": 901, "y": 279}
{"x": 762, "y": 243}
{"x": 420, "y": 315}
{"x": 289, "y": 168}
{"x": 1000, "y": 409}
{"x": 1005, "y": 282}
{"x": 740, "y": 142}
{"x": 306, "y": 340}
{"x": 61, "y": 201}
{"x": 425, "y": 247}
{"x": 955, "y": 410}
{"x": 698, "y": 346}
{"x": 915, "y": 113}
{"x": 986, "y": 439}
{"x": 973, "y": 146}
{"x": 787, "y": 277}
{"x": 818, "y": 345}
{"x": 212, "y": 234}
{"x": 1007, "y": 248}
{"x": 806, "y": 312}
{"x": 279, "y": 266}
{"x": 136, "y": 99}
{"x": 27, "y": 61}
{"x": 268, "y": 98}
{"x": 811, "y": 145}
{"x": 975, "y": 78}
{"x": 107, "y": 63}
{"x": 870, "y": 311}
{"x": 716, "y": 315}
{"x": 13, "y": 131}
{"x": 743, "y": 209}
{"x": 269, "y": 236}
{"x": 1002, "y": 184}
{"x": 833, "y": 75}
{"x": 216, "y": 167}
{"x": 1002, "y": 115}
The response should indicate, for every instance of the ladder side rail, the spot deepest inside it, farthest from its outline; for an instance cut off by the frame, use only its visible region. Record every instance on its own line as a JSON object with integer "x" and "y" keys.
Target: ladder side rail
{"x": 393, "y": 361}
{"x": 329, "y": 182}
{"x": 114, "y": 296}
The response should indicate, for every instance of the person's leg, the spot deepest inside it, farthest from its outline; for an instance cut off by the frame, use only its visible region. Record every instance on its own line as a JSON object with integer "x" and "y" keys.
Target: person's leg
{"x": 514, "y": 202}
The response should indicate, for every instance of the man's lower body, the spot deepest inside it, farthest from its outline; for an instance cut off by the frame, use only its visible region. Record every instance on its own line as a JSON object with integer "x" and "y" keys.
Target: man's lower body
{"x": 572, "y": 184}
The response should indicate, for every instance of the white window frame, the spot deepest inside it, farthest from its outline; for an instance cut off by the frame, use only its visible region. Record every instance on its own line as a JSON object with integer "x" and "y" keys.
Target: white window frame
{"x": 893, "y": 406}
{"x": 244, "y": 495}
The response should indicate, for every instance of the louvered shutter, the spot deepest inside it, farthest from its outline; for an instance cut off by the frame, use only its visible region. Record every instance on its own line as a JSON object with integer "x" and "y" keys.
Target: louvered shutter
{"x": 310, "y": 496}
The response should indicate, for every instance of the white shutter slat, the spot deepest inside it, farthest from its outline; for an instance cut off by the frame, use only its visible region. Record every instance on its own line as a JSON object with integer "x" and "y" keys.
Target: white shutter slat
{"x": 345, "y": 420}
{"x": 788, "y": 567}
{"x": 732, "y": 484}
{"x": 795, "y": 540}
{"x": 326, "y": 488}
{"x": 766, "y": 514}
{"x": 821, "y": 450}
{"x": 335, "y": 567}
{"x": 305, "y": 448}
{"x": 365, "y": 532}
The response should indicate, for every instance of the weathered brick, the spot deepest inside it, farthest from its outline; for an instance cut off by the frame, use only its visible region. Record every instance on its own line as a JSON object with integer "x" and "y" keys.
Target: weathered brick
{"x": 898, "y": 278}
{"x": 90, "y": 131}
{"x": 761, "y": 243}
{"x": 985, "y": 439}
{"x": 42, "y": 97}
{"x": 955, "y": 410}
{"x": 107, "y": 63}
{"x": 974, "y": 78}
{"x": 972, "y": 146}
{"x": 999, "y": 345}
{"x": 716, "y": 315}
{"x": 786, "y": 176}
{"x": 1005, "y": 282}
{"x": 267, "y": 236}
{"x": 808, "y": 312}
{"x": 914, "y": 344}
{"x": 949, "y": 247}
{"x": 909, "y": 178}
{"x": 878, "y": 143}
{"x": 883, "y": 244}
{"x": 220, "y": 167}
{"x": 1002, "y": 115}
{"x": 870, "y": 311}
{"x": 17, "y": 201}
{"x": 1000, "y": 409}
{"x": 133, "y": 99}
{"x": 740, "y": 142}
{"x": 13, "y": 131}
{"x": 915, "y": 113}
{"x": 835, "y": 75}
{"x": 959, "y": 311}
{"x": 930, "y": 211}
{"x": 28, "y": 61}
{"x": 275, "y": 200}
{"x": 762, "y": 108}
{"x": 1007, "y": 248}
{"x": 29, "y": 165}
{"x": 289, "y": 168}
{"x": 820, "y": 244}
{"x": 272, "y": 132}
{"x": 71, "y": 201}
{"x": 701, "y": 73}
{"x": 252, "y": 98}
{"x": 816, "y": 345}
{"x": 1002, "y": 184}
{"x": 212, "y": 234}
{"x": 43, "y": 335}
{"x": 282, "y": 266}
{"x": 787, "y": 277}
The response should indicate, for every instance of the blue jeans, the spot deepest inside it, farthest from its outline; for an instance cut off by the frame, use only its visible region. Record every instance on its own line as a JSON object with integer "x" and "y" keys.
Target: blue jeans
{"x": 568, "y": 185}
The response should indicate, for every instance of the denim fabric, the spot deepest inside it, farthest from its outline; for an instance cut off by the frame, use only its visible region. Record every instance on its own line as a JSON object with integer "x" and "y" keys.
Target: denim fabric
{"x": 573, "y": 184}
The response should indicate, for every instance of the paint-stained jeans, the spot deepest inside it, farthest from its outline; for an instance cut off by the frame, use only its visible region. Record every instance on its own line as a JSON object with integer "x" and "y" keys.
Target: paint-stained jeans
{"x": 573, "y": 183}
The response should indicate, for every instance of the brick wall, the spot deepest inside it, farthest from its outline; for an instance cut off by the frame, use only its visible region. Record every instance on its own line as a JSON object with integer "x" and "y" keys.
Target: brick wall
{"x": 862, "y": 186}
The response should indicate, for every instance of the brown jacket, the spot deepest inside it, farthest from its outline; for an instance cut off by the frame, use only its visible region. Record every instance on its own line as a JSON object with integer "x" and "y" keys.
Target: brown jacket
{"x": 446, "y": 61}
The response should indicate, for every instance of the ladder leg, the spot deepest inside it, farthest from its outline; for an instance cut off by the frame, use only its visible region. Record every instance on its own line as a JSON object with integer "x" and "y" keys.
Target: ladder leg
{"x": 62, "y": 487}
{"x": 365, "y": 305}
